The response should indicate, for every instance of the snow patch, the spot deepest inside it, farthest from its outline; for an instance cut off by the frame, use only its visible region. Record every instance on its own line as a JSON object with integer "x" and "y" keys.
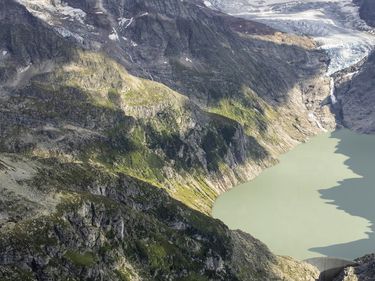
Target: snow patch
{"x": 351, "y": 74}
{"x": 188, "y": 60}
{"x": 4, "y": 53}
{"x": 113, "y": 36}
{"x": 207, "y": 4}
{"x": 24, "y": 69}
{"x": 124, "y": 22}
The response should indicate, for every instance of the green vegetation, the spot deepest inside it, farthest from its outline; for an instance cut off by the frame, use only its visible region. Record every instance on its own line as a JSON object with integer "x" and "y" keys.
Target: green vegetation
{"x": 148, "y": 94}
{"x": 250, "y": 111}
{"x": 124, "y": 275}
{"x": 85, "y": 259}
{"x": 112, "y": 113}
{"x": 90, "y": 93}
{"x": 114, "y": 96}
{"x": 30, "y": 234}
{"x": 15, "y": 273}
{"x": 156, "y": 255}
{"x": 194, "y": 277}
{"x": 201, "y": 197}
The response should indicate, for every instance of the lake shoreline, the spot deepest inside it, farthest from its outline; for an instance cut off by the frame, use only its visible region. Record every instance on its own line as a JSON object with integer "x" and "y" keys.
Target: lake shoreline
{"x": 332, "y": 218}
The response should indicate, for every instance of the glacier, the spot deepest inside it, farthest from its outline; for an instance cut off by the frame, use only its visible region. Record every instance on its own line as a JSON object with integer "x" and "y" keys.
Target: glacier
{"x": 334, "y": 24}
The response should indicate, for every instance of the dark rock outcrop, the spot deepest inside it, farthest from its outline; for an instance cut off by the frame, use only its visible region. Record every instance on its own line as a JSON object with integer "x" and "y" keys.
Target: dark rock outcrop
{"x": 367, "y": 11}
{"x": 355, "y": 92}
{"x": 363, "y": 271}
{"x": 355, "y": 86}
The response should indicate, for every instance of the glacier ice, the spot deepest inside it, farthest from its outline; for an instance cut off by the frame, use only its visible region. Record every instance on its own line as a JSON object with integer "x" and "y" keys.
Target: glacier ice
{"x": 334, "y": 24}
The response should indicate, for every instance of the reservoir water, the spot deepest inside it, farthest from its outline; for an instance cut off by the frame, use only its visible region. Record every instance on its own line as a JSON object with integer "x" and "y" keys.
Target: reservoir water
{"x": 318, "y": 201}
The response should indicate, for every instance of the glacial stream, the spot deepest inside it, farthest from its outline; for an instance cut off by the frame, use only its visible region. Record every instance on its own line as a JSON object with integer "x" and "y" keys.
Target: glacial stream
{"x": 318, "y": 201}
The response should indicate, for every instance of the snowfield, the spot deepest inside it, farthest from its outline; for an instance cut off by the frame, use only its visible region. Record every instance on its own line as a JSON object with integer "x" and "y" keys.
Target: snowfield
{"x": 334, "y": 24}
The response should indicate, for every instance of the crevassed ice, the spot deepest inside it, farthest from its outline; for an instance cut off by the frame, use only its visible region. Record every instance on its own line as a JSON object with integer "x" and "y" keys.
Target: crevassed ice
{"x": 334, "y": 24}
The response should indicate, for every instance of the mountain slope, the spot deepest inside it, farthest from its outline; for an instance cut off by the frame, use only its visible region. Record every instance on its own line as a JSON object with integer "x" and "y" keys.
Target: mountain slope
{"x": 355, "y": 94}
{"x": 236, "y": 71}
{"x": 110, "y": 157}
{"x": 101, "y": 225}
{"x": 355, "y": 87}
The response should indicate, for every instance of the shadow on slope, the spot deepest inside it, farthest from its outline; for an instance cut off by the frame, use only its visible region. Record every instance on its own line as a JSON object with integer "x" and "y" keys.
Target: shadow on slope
{"x": 204, "y": 54}
{"x": 356, "y": 195}
{"x": 136, "y": 222}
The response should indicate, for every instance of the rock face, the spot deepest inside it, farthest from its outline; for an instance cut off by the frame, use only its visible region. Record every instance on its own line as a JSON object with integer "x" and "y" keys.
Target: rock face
{"x": 355, "y": 86}
{"x": 114, "y": 227}
{"x": 121, "y": 122}
{"x": 364, "y": 271}
{"x": 367, "y": 11}
{"x": 355, "y": 93}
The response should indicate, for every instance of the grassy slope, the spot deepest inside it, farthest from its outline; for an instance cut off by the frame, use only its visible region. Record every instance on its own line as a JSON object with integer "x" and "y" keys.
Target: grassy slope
{"x": 142, "y": 128}
{"x": 106, "y": 145}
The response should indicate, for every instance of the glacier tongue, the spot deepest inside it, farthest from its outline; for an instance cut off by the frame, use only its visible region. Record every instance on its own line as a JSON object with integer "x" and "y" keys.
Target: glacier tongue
{"x": 334, "y": 24}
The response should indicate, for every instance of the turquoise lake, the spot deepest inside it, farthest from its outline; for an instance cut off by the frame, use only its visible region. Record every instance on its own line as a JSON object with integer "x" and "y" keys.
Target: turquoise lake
{"x": 318, "y": 201}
